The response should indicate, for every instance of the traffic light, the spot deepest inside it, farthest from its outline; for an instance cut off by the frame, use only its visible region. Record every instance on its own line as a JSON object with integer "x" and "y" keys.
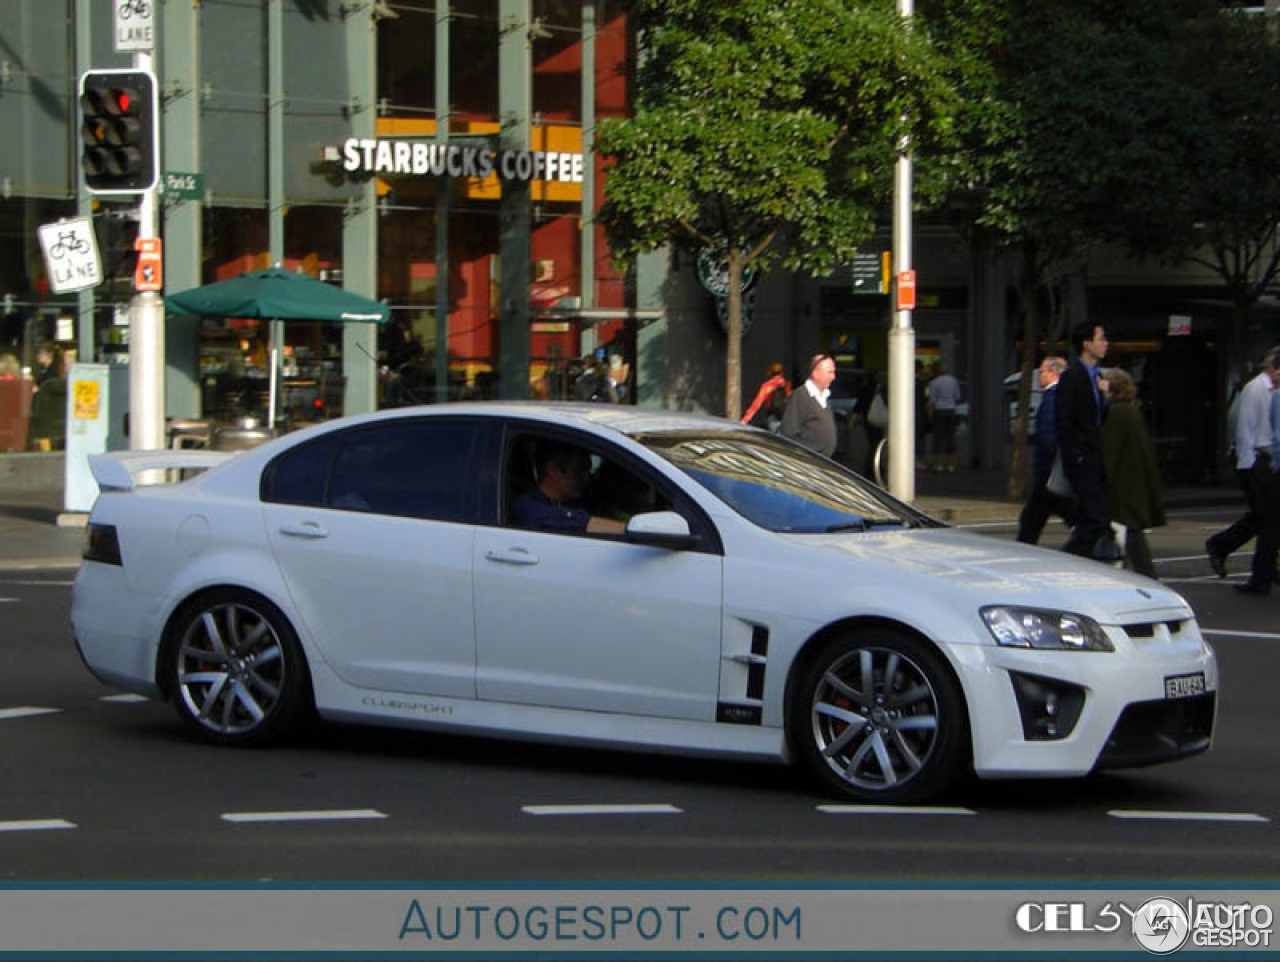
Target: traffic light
{"x": 120, "y": 131}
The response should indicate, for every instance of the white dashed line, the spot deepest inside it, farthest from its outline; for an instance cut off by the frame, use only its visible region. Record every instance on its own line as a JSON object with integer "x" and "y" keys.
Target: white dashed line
{"x": 128, "y": 698}
{"x": 7, "y": 601}
{"x": 893, "y": 810}
{"x": 24, "y": 711}
{"x": 601, "y": 810}
{"x": 1188, "y": 816}
{"x": 1226, "y": 632}
{"x": 36, "y": 825}
{"x": 315, "y": 816}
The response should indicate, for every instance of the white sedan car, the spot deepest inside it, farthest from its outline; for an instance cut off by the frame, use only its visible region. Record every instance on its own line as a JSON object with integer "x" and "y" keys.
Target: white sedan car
{"x": 628, "y": 578}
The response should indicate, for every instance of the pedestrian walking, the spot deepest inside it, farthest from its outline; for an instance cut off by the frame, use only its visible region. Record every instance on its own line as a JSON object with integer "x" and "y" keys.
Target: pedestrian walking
{"x": 808, "y": 418}
{"x": 1133, "y": 481}
{"x": 1079, "y": 415}
{"x": 1041, "y": 502}
{"x": 943, "y": 396}
{"x": 770, "y": 401}
{"x": 874, "y": 414}
{"x": 1253, "y": 441}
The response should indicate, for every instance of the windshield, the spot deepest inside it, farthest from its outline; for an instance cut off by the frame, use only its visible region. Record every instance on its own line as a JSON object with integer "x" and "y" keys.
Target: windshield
{"x": 779, "y": 485}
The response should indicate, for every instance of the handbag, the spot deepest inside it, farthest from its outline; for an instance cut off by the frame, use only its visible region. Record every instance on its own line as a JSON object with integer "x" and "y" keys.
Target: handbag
{"x": 1058, "y": 483}
{"x": 878, "y": 413}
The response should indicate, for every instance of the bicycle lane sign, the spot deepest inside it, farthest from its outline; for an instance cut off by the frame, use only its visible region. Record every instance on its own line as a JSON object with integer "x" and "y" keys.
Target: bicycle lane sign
{"x": 135, "y": 25}
{"x": 70, "y": 255}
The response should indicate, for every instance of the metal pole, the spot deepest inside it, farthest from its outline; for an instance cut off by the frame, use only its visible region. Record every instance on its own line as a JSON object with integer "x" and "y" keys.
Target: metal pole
{"x": 275, "y": 187}
{"x": 902, "y": 337}
{"x": 444, "y": 191}
{"x": 146, "y": 336}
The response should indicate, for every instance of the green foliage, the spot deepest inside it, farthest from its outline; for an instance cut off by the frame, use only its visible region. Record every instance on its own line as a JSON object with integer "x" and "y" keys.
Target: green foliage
{"x": 767, "y": 129}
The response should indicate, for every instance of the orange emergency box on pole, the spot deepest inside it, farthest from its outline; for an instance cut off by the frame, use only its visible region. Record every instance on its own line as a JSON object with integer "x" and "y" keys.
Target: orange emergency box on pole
{"x": 149, "y": 274}
{"x": 906, "y": 290}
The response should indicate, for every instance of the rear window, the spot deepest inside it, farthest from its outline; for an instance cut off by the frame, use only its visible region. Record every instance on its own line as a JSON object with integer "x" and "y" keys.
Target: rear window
{"x": 408, "y": 468}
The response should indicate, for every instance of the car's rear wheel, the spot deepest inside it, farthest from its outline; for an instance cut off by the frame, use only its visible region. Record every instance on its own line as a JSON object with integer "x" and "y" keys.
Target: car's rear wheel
{"x": 878, "y": 717}
{"x": 235, "y": 669}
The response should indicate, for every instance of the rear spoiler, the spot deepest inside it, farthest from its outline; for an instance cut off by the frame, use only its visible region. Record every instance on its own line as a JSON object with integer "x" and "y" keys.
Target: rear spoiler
{"x": 115, "y": 470}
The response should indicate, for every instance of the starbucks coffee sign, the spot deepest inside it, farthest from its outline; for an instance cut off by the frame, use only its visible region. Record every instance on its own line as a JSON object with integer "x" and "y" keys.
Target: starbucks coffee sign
{"x": 422, "y": 158}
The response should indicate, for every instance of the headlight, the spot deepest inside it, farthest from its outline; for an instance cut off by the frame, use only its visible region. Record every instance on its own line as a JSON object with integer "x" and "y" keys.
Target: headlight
{"x": 1039, "y": 628}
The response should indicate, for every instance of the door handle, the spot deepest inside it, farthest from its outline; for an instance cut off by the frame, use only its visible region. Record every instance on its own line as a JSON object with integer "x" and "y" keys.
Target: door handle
{"x": 513, "y": 556}
{"x": 308, "y": 529}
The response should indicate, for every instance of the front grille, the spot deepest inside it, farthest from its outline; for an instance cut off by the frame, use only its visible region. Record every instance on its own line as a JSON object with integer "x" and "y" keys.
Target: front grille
{"x": 1157, "y": 731}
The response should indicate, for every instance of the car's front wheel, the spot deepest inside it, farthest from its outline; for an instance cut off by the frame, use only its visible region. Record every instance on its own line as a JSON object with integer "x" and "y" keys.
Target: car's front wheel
{"x": 878, "y": 716}
{"x": 234, "y": 668}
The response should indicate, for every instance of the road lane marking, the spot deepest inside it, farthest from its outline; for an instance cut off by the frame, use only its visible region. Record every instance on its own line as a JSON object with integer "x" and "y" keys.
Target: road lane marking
{"x": 36, "y": 825}
{"x": 127, "y": 698}
{"x": 303, "y": 816}
{"x": 893, "y": 810}
{"x": 1188, "y": 816}
{"x": 25, "y": 711}
{"x": 30, "y": 581}
{"x": 600, "y": 810}
{"x": 8, "y": 601}
{"x": 1268, "y": 635}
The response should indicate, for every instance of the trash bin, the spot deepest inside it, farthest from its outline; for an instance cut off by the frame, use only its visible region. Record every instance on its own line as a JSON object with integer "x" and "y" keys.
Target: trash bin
{"x": 241, "y": 435}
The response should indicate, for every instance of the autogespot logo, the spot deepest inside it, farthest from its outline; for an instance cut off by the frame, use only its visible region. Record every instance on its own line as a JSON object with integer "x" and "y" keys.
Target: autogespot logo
{"x": 1161, "y": 926}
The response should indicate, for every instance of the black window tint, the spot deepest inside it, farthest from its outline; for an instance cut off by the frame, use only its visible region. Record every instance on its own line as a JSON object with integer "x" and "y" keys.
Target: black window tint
{"x": 415, "y": 469}
{"x": 299, "y": 476}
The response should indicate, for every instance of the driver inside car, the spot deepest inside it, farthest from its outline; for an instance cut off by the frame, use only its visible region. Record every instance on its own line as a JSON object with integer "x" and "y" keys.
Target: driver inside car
{"x": 563, "y": 472}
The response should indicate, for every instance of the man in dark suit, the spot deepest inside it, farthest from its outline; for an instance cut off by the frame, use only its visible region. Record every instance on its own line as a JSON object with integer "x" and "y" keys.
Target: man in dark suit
{"x": 1042, "y": 502}
{"x": 1079, "y": 422}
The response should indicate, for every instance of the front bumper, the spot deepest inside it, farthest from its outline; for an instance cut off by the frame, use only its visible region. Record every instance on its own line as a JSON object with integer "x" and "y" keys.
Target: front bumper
{"x": 1125, "y": 718}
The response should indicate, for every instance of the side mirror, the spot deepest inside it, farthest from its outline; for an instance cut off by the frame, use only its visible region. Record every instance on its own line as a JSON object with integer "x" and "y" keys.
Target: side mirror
{"x": 661, "y": 529}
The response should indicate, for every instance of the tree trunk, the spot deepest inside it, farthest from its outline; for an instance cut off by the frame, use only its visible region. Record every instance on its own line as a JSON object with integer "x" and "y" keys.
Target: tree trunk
{"x": 733, "y": 349}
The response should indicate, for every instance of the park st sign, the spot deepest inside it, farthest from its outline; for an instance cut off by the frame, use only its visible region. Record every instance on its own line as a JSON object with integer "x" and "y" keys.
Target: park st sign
{"x": 422, "y": 158}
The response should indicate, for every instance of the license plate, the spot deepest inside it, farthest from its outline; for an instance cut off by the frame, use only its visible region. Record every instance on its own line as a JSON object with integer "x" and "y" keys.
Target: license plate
{"x": 1184, "y": 686}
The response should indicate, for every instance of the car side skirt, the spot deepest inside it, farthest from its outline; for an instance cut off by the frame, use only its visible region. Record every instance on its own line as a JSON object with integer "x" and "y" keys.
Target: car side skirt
{"x": 338, "y": 701}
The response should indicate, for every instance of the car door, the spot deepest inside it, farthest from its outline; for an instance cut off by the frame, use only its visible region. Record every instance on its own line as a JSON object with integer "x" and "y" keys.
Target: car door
{"x": 372, "y": 530}
{"x": 592, "y": 622}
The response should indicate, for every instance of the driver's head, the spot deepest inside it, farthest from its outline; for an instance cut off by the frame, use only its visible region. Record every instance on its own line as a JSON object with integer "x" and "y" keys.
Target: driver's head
{"x": 563, "y": 471}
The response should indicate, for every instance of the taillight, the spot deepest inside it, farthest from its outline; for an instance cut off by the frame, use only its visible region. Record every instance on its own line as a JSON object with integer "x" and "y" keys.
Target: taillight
{"x": 102, "y": 545}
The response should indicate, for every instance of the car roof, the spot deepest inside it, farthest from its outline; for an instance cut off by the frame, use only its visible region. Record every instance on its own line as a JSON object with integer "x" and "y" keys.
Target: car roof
{"x": 624, "y": 419}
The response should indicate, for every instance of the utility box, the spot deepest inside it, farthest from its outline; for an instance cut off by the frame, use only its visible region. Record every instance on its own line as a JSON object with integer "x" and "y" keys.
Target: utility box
{"x": 97, "y": 422}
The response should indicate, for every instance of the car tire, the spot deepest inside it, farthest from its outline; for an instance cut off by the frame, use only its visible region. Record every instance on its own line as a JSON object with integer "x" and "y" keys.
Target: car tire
{"x": 234, "y": 668}
{"x": 878, "y": 717}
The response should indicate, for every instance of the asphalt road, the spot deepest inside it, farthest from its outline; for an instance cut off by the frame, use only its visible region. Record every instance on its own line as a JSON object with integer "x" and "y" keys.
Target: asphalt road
{"x": 100, "y": 787}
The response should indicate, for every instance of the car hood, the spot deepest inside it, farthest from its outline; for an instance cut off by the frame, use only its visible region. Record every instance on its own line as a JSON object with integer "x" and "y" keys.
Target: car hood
{"x": 994, "y": 571}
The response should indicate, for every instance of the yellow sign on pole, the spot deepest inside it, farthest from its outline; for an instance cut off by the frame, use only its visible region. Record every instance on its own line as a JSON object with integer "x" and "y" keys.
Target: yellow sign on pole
{"x": 86, "y": 400}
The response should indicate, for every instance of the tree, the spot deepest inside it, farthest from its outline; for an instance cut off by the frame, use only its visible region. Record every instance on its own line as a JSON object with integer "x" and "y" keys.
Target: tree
{"x": 1070, "y": 117}
{"x": 1225, "y": 211}
{"x": 766, "y": 131}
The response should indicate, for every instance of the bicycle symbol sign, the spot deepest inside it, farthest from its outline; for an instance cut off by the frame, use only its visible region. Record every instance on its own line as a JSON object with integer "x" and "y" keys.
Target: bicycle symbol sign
{"x": 70, "y": 255}
{"x": 135, "y": 25}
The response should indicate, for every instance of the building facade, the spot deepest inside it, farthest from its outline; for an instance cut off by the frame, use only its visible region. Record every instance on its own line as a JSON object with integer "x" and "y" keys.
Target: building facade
{"x": 436, "y": 155}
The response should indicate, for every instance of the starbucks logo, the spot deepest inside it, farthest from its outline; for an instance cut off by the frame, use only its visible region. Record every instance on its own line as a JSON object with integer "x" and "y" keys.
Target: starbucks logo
{"x": 713, "y": 272}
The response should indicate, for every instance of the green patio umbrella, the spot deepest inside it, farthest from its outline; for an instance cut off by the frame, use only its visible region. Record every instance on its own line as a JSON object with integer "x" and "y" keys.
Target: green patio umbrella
{"x": 276, "y": 294}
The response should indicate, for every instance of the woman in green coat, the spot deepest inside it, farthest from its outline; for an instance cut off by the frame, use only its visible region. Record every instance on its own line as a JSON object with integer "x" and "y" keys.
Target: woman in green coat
{"x": 1129, "y": 457}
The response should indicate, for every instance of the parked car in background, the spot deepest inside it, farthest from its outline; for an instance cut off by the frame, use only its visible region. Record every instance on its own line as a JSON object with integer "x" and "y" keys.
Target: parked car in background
{"x": 748, "y": 599}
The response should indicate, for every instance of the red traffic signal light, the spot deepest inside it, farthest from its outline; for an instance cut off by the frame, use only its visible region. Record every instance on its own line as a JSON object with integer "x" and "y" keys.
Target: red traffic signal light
{"x": 119, "y": 131}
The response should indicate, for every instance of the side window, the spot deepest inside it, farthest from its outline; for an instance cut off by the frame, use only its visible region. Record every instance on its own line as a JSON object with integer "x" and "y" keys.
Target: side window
{"x": 415, "y": 469}
{"x": 299, "y": 476}
{"x": 554, "y": 485}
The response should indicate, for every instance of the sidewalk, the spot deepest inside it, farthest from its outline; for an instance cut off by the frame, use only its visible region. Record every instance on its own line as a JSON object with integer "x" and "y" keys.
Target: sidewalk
{"x": 971, "y": 496}
{"x": 30, "y": 536}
